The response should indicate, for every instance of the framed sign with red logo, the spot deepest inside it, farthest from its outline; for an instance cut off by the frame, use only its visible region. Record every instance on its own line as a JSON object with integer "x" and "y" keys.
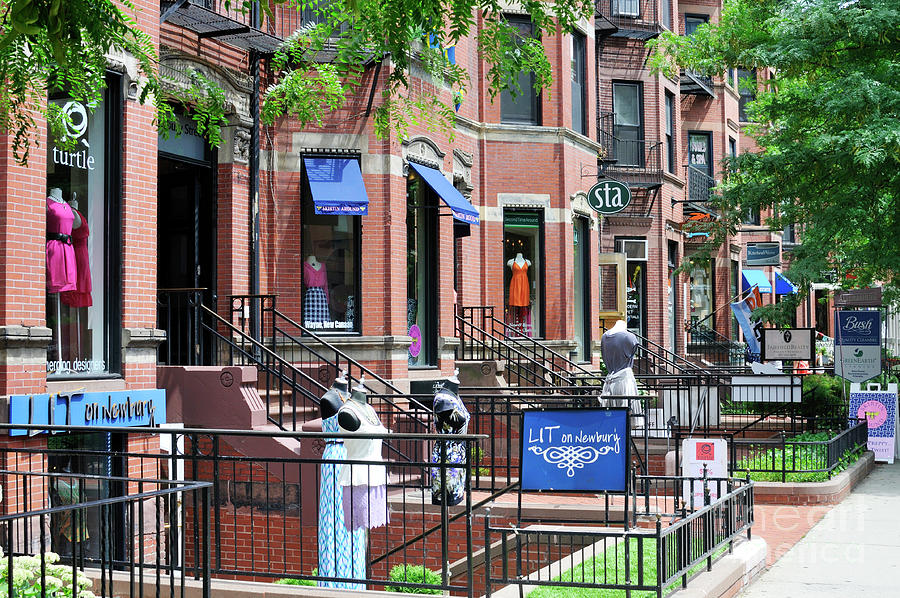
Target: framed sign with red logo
{"x": 699, "y": 456}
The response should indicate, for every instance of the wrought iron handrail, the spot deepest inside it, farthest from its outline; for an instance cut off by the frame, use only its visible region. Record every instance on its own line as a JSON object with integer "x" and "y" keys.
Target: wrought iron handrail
{"x": 288, "y": 332}
{"x": 636, "y": 18}
{"x": 525, "y": 368}
{"x": 704, "y": 341}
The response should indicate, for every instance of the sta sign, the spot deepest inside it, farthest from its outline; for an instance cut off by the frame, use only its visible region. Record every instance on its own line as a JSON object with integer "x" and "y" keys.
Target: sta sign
{"x": 609, "y": 197}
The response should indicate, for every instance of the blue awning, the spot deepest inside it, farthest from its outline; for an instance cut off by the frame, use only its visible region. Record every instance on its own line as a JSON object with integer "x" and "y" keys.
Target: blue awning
{"x": 459, "y": 205}
{"x": 337, "y": 186}
{"x": 756, "y": 278}
{"x": 783, "y": 286}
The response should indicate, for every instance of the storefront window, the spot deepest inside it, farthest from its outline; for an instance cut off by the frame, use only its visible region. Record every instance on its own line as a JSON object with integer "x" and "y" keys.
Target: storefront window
{"x": 702, "y": 292}
{"x": 78, "y": 297}
{"x": 523, "y": 254}
{"x": 635, "y": 251}
{"x": 330, "y": 250}
{"x": 421, "y": 269}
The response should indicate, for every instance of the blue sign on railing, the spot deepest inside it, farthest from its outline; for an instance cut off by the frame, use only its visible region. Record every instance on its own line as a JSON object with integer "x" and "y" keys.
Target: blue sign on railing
{"x": 118, "y": 409}
{"x": 583, "y": 450}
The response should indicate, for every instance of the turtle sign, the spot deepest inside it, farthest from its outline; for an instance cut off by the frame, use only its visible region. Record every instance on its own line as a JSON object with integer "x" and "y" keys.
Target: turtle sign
{"x": 609, "y": 197}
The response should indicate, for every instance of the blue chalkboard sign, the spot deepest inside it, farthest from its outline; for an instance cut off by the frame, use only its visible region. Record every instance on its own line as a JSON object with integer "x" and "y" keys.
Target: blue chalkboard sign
{"x": 584, "y": 450}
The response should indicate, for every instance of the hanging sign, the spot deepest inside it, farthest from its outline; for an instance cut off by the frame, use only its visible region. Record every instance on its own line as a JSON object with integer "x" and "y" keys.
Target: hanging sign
{"x": 858, "y": 298}
{"x": 857, "y": 345}
{"x": 699, "y": 455}
{"x": 764, "y": 254}
{"x": 118, "y": 409}
{"x": 583, "y": 450}
{"x": 879, "y": 409}
{"x": 793, "y": 344}
{"x": 609, "y": 197}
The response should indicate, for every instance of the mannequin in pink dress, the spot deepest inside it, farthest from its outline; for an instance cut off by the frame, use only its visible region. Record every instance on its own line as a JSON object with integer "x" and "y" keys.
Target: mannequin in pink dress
{"x": 81, "y": 296}
{"x": 61, "y": 269}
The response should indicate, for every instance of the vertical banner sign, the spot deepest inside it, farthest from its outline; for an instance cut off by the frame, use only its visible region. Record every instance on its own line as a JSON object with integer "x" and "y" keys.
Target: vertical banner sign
{"x": 751, "y": 328}
{"x": 700, "y": 453}
{"x": 575, "y": 450}
{"x": 879, "y": 409}
{"x": 857, "y": 345}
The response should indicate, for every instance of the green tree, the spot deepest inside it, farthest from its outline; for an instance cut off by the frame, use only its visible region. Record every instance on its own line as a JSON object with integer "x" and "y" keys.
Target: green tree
{"x": 827, "y": 123}
{"x": 62, "y": 45}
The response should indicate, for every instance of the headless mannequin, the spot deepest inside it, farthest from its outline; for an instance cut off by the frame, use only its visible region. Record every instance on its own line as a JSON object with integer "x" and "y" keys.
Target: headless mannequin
{"x": 518, "y": 260}
{"x": 57, "y": 196}
{"x": 451, "y": 417}
{"x": 332, "y": 400}
{"x": 314, "y": 262}
{"x": 618, "y": 354}
{"x": 347, "y": 419}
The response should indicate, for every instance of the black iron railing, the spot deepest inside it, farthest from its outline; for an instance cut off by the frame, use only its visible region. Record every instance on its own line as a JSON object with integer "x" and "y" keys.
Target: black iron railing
{"x": 68, "y": 532}
{"x": 636, "y": 162}
{"x": 714, "y": 348}
{"x": 784, "y": 456}
{"x": 529, "y": 362}
{"x": 637, "y": 19}
{"x": 264, "y": 520}
{"x": 699, "y": 185}
{"x": 616, "y": 559}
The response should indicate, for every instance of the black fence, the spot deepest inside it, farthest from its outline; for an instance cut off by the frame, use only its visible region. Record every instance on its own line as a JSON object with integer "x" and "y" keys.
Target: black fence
{"x": 266, "y": 515}
{"x": 784, "y": 456}
{"x": 62, "y": 542}
{"x": 657, "y": 560}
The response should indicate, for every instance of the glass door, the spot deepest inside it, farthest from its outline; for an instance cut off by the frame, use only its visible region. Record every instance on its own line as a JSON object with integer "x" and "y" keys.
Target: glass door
{"x": 582, "y": 263}
{"x": 421, "y": 272}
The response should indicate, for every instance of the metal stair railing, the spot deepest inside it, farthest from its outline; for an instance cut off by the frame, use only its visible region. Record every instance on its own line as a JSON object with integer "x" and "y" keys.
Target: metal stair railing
{"x": 532, "y": 347}
{"x": 654, "y": 359}
{"x": 522, "y": 369}
{"x": 284, "y": 332}
{"x": 713, "y": 346}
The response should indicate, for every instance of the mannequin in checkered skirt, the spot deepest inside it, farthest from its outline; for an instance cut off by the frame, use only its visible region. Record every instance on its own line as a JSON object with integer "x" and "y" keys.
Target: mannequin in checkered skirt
{"x": 315, "y": 302}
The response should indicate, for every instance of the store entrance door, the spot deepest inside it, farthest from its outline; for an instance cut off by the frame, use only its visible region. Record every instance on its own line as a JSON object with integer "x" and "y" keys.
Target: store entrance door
{"x": 186, "y": 237}
{"x": 582, "y": 262}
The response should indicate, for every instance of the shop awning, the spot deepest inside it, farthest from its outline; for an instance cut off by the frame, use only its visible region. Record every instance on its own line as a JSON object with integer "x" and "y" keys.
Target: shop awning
{"x": 783, "y": 286}
{"x": 459, "y": 205}
{"x": 758, "y": 278}
{"x": 337, "y": 186}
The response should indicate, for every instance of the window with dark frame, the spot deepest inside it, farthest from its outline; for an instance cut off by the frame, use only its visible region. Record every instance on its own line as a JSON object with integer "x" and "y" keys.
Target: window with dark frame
{"x": 670, "y": 132}
{"x": 691, "y": 22}
{"x": 331, "y": 253}
{"x": 628, "y": 130}
{"x": 524, "y": 106}
{"x": 579, "y": 79}
{"x": 83, "y": 293}
{"x": 667, "y": 14}
{"x": 700, "y": 151}
{"x": 747, "y": 91}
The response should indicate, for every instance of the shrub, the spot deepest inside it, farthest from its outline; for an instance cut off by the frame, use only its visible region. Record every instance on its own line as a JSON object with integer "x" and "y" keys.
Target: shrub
{"x": 57, "y": 582}
{"x": 290, "y": 581}
{"x": 413, "y": 574}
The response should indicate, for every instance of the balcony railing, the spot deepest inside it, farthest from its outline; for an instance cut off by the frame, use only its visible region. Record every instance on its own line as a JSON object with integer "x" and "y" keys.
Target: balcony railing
{"x": 694, "y": 83}
{"x": 233, "y": 23}
{"x": 637, "y": 162}
{"x": 700, "y": 185}
{"x": 637, "y": 19}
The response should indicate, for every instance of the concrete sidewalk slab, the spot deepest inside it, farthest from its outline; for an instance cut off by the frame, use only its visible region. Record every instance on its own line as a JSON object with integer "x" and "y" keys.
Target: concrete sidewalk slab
{"x": 853, "y": 551}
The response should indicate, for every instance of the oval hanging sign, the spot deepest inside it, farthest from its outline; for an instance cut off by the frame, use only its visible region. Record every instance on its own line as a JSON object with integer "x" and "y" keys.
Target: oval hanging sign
{"x": 609, "y": 197}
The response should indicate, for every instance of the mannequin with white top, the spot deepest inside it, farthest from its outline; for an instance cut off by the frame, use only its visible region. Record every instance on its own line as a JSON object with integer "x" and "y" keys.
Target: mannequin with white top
{"x": 364, "y": 484}
{"x": 518, "y": 260}
{"x": 618, "y": 347}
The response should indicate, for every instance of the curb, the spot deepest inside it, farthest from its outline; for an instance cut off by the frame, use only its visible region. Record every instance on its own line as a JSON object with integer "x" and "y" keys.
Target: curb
{"x": 730, "y": 573}
{"x": 830, "y": 492}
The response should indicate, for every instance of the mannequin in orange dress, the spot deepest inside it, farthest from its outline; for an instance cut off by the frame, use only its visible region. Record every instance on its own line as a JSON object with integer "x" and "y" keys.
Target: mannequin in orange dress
{"x": 519, "y": 292}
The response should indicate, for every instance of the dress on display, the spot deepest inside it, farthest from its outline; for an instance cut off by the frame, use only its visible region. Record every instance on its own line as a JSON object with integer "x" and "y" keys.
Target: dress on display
{"x": 315, "y": 301}
{"x": 519, "y": 293}
{"x": 364, "y": 485}
{"x": 342, "y": 553}
{"x": 618, "y": 349}
{"x": 61, "y": 269}
{"x": 446, "y": 402}
{"x": 81, "y": 296}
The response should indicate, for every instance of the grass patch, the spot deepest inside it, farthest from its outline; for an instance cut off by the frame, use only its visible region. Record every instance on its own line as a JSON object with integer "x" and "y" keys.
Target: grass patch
{"x": 605, "y": 568}
{"x": 796, "y": 459}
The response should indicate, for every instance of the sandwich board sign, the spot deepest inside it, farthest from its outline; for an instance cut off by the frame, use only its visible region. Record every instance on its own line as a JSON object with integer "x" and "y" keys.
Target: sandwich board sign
{"x": 575, "y": 450}
{"x": 879, "y": 408}
{"x": 698, "y": 454}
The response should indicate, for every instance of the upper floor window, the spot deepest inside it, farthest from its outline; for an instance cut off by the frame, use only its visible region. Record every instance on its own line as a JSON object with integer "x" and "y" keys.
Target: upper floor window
{"x": 579, "y": 88}
{"x": 691, "y": 22}
{"x": 700, "y": 151}
{"x": 670, "y": 132}
{"x": 524, "y": 107}
{"x": 629, "y": 132}
{"x": 627, "y": 8}
{"x": 667, "y": 14}
{"x": 747, "y": 89}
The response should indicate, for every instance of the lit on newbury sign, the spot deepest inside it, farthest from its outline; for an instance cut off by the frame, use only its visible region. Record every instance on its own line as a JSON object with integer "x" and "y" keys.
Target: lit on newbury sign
{"x": 102, "y": 409}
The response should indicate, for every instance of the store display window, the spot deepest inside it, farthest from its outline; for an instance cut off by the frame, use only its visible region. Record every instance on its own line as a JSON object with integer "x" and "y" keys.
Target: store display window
{"x": 523, "y": 259}
{"x": 330, "y": 249}
{"x": 702, "y": 292}
{"x": 81, "y": 297}
{"x": 421, "y": 272}
{"x": 635, "y": 251}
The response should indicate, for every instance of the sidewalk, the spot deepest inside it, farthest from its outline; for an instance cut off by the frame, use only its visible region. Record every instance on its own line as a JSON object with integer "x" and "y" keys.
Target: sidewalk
{"x": 853, "y": 551}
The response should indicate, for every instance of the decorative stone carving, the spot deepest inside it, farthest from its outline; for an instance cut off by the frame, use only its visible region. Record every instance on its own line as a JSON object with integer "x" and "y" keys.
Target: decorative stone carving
{"x": 423, "y": 151}
{"x": 174, "y": 68}
{"x": 462, "y": 172}
{"x": 241, "y": 149}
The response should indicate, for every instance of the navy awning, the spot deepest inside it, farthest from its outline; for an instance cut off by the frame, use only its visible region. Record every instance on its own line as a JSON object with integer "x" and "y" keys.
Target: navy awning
{"x": 459, "y": 205}
{"x": 756, "y": 278}
{"x": 783, "y": 286}
{"x": 337, "y": 186}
